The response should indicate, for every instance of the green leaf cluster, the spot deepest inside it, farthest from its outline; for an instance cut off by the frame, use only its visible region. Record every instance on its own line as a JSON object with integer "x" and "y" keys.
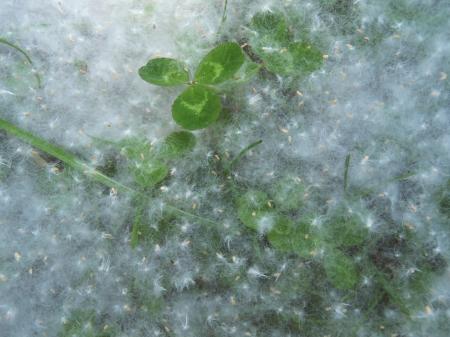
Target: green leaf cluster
{"x": 275, "y": 217}
{"x": 199, "y": 105}
{"x": 273, "y": 43}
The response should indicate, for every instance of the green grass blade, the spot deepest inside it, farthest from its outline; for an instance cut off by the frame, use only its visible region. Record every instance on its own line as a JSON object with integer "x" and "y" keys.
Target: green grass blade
{"x": 346, "y": 169}
{"x": 25, "y": 54}
{"x": 242, "y": 153}
{"x": 224, "y": 17}
{"x": 63, "y": 155}
{"x": 224, "y": 14}
{"x": 20, "y": 50}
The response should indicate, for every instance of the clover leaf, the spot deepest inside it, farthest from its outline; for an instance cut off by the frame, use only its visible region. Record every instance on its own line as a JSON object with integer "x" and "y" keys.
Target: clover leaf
{"x": 220, "y": 64}
{"x": 165, "y": 72}
{"x": 196, "y": 108}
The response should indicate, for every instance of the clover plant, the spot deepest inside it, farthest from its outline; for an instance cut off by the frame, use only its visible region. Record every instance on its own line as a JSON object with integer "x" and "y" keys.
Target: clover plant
{"x": 199, "y": 105}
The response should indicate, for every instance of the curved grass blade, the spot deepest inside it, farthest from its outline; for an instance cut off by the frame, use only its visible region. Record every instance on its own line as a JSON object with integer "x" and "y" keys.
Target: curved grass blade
{"x": 20, "y": 50}
{"x": 242, "y": 153}
{"x": 24, "y": 53}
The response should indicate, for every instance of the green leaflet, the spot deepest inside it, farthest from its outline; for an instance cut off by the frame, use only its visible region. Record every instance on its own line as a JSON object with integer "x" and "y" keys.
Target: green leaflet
{"x": 220, "y": 64}
{"x": 288, "y": 194}
{"x": 177, "y": 144}
{"x": 340, "y": 270}
{"x": 196, "y": 108}
{"x": 291, "y": 237}
{"x": 165, "y": 72}
{"x": 270, "y": 26}
{"x": 346, "y": 230}
{"x": 254, "y": 210}
{"x": 306, "y": 57}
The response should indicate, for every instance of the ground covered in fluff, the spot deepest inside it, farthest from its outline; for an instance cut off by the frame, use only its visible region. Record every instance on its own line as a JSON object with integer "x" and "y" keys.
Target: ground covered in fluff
{"x": 337, "y": 224}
